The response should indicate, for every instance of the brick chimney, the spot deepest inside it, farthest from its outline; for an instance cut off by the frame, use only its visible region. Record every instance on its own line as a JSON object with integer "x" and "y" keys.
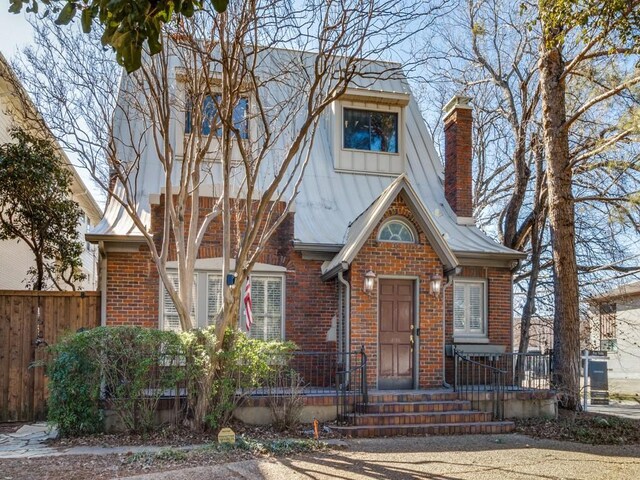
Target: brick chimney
{"x": 457, "y": 155}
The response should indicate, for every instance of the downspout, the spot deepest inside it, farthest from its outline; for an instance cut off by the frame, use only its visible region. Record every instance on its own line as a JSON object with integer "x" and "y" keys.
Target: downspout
{"x": 347, "y": 310}
{"x": 444, "y": 329}
{"x": 102, "y": 254}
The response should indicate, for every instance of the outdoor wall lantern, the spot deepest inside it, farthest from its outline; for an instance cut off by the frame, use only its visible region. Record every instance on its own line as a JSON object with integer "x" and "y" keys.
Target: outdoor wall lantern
{"x": 369, "y": 281}
{"x": 436, "y": 285}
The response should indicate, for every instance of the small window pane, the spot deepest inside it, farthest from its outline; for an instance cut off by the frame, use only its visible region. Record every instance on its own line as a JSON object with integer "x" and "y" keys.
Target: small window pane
{"x": 266, "y": 300}
{"x": 211, "y": 119}
{"x": 396, "y": 231}
{"x": 458, "y": 308}
{"x": 171, "y": 320}
{"x": 214, "y": 297}
{"x": 370, "y": 130}
{"x": 469, "y": 308}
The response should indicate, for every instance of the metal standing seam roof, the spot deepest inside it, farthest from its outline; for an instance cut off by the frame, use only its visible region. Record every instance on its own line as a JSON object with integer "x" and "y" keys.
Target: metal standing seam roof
{"x": 329, "y": 200}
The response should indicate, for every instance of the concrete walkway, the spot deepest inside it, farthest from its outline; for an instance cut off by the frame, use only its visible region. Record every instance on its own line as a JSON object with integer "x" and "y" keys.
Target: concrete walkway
{"x": 627, "y": 409}
{"x": 30, "y": 442}
{"x": 472, "y": 457}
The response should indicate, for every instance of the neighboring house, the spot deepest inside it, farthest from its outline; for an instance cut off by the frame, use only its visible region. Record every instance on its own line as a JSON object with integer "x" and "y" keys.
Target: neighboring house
{"x": 362, "y": 213}
{"x": 16, "y": 109}
{"x": 615, "y": 328}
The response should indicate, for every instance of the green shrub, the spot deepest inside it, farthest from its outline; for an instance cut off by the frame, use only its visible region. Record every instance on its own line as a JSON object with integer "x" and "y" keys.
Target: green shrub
{"x": 131, "y": 367}
{"x": 230, "y": 374}
{"x": 74, "y": 387}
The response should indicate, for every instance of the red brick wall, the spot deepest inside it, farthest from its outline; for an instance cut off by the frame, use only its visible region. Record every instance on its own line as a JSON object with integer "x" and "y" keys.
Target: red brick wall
{"x": 500, "y": 308}
{"x": 133, "y": 282}
{"x": 458, "y": 157}
{"x": 132, "y": 289}
{"x": 398, "y": 259}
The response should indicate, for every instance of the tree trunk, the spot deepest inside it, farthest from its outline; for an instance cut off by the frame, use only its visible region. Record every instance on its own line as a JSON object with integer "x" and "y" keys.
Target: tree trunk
{"x": 39, "y": 283}
{"x": 566, "y": 325}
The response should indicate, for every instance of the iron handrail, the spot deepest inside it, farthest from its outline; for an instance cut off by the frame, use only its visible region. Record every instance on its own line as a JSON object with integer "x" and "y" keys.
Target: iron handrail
{"x": 473, "y": 379}
{"x": 352, "y": 389}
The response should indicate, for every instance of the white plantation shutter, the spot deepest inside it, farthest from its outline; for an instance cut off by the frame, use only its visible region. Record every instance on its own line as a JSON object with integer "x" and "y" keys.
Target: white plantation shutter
{"x": 469, "y": 308}
{"x": 214, "y": 297}
{"x": 475, "y": 308}
{"x": 171, "y": 320}
{"x": 459, "y": 320}
{"x": 266, "y": 302}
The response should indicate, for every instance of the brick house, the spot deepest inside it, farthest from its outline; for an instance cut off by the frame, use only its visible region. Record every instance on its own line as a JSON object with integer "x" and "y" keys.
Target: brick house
{"x": 380, "y": 250}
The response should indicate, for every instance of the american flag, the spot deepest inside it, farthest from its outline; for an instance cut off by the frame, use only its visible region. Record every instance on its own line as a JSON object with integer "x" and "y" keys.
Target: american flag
{"x": 247, "y": 304}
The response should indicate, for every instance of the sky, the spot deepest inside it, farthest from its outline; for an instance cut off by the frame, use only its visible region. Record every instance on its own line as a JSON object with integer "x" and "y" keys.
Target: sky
{"x": 15, "y": 34}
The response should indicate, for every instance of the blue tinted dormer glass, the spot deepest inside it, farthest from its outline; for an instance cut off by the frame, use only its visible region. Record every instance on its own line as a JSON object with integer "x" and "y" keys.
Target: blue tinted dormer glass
{"x": 211, "y": 119}
{"x": 370, "y": 130}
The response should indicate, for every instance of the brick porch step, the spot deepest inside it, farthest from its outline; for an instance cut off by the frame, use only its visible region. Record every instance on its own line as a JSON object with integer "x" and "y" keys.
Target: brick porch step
{"x": 424, "y": 396}
{"x": 426, "y": 418}
{"x": 426, "y": 429}
{"x": 423, "y": 406}
{"x": 437, "y": 412}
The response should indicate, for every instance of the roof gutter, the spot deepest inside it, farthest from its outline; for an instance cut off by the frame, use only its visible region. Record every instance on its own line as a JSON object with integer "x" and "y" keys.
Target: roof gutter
{"x": 317, "y": 247}
{"x": 338, "y": 269}
{"x": 101, "y": 238}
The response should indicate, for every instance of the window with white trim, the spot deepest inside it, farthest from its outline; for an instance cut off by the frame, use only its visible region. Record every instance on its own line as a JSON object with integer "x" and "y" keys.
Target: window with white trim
{"x": 267, "y": 295}
{"x": 368, "y": 136}
{"x": 170, "y": 318}
{"x": 211, "y": 119}
{"x": 396, "y": 230}
{"x": 469, "y": 308}
{"x": 266, "y": 303}
{"x": 214, "y": 296}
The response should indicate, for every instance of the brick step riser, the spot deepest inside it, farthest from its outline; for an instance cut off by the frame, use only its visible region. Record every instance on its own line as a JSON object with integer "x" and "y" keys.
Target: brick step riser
{"x": 436, "y": 429}
{"x": 412, "y": 397}
{"x": 401, "y": 407}
{"x": 410, "y": 419}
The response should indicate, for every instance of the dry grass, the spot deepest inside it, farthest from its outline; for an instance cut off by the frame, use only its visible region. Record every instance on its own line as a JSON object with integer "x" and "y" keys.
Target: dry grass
{"x": 583, "y": 427}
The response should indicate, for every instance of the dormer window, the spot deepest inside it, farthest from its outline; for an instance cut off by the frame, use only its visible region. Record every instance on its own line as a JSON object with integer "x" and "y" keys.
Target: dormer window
{"x": 368, "y": 133}
{"x": 374, "y": 131}
{"x": 211, "y": 120}
{"x": 396, "y": 230}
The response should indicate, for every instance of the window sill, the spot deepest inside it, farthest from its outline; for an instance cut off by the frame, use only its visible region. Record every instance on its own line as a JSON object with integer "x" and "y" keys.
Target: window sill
{"x": 467, "y": 339}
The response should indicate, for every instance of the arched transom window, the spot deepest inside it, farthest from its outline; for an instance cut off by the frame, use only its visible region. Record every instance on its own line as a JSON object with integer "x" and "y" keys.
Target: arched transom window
{"x": 397, "y": 230}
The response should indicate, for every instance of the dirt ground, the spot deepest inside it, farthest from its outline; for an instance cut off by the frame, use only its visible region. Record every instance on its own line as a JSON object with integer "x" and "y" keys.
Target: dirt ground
{"x": 474, "y": 457}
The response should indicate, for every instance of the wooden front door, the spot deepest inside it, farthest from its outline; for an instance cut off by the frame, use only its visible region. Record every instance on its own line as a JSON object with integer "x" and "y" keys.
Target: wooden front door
{"x": 395, "y": 334}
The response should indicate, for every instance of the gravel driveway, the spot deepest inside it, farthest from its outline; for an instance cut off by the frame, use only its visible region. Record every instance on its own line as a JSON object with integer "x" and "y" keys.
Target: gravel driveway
{"x": 475, "y": 457}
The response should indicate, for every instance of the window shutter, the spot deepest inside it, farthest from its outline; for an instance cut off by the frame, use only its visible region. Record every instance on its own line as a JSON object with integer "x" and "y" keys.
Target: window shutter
{"x": 475, "y": 308}
{"x": 214, "y": 297}
{"x": 458, "y": 307}
{"x": 171, "y": 318}
{"x": 274, "y": 309}
{"x": 170, "y": 313}
{"x": 266, "y": 300}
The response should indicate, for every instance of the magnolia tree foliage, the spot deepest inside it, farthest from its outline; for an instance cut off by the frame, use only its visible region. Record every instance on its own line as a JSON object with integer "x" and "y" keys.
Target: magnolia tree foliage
{"x": 129, "y": 25}
{"x": 36, "y": 208}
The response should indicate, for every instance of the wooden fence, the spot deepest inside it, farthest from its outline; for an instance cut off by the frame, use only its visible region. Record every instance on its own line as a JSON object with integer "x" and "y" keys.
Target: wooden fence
{"x": 29, "y": 321}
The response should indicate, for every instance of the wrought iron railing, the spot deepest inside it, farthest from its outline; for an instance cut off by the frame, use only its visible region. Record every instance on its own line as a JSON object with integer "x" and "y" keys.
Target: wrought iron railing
{"x": 351, "y": 387}
{"x": 487, "y": 376}
{"x": 478, "y": 381}
{"x": 311, "y": 373}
